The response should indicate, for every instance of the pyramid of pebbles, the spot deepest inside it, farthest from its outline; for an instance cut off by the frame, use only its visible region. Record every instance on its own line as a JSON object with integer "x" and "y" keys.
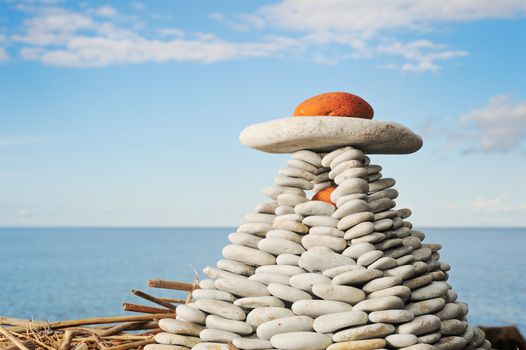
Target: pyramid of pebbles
{"x": 309, "y": 274}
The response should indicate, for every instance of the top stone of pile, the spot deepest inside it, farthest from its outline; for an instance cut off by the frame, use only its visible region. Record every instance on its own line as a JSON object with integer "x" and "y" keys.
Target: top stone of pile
{"x": 329, "y": 121}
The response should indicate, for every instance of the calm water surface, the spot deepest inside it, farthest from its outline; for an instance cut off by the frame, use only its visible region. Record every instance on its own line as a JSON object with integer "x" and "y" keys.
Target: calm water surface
{"x": 66, "y": 273}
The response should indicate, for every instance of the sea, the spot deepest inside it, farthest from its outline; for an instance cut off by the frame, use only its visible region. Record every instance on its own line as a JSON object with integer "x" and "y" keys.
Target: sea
{"x": 68, "y": 273}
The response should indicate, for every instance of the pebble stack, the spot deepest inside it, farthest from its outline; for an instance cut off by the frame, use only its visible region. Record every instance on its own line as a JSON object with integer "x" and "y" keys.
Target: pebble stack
{"x": 305, "y": 274}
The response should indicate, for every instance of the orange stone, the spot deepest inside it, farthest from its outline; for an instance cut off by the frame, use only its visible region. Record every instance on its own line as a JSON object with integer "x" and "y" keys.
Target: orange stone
{"x": 336, "y": 104}
{"x": 324, "y": 195}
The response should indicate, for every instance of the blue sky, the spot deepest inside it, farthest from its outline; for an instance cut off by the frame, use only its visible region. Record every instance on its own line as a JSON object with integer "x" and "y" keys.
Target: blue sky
{"x": 127, "y": 113}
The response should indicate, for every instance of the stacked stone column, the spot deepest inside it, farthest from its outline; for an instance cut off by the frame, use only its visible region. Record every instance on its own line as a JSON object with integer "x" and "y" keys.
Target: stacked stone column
{"x": 302, "y": 274}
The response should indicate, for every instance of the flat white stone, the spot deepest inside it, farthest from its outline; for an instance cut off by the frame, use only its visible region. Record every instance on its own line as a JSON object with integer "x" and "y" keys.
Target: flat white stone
{"x": 255, "y": 302}
{"x": 335, "y": 271}
{"x": 327, "y": 159}
{"x": 176, "y": 339}
{"x": 401, "y": 340}
{"x": 289, "y": 270}
{"x": 351, "y": 174}
{"x": 290, "y": 225}
{"x": 356, "y": 250}
{"x": 287, "y": 259}
{"x": 243, "y": 288}
{"x": 217, "y": 335}
{"x": 180, "y": 327}
{"x": 325, "y": 230}
{"x": 335, "y": 243}
{"x": 260, "y": 315}
{"x": 190, "y": 314}
{"x": 251, "y": 343}
{"x": 384, "y": 263}
{"x": 212, "y": 294}
{"x": 266, "y": 208}
{"x": 316, "y": 308}
{"x": 314, "y": 208}
{"x": 335, "y": 321}
{"x": 206, "y": 283}
{"x": 295, "y": 172}
{"x": 214, "y": 272}
{"x": 305, "y": 281}
{"x": 301, "y": 341}
{"x": 378, "y": 304}
{"x": 309, "y": 157}
{"x": 246, "y": 239}
{"x": 425, "y": 307}
{"x": 268, "y": 278}
{"x": 433, "y": 290}
{"x": 284, "y": 325}
{"x": 351, "y": 207}
{"x": 290, "y": 199}
{"x": 381, "y": 283}
{"x": 221, "y": 308}
{"x": 320, "y": 220}
{"x": 341, "y": 167}
{"x": 287, "y": 293}
{"x": 375, "y": 330}
{"x": 344, "y": 199}
{"x": 283, "y": 210}
{"x": 317, "y": 259}
{"x": 155, "y": 347}
{"x": 391, "y": 316}
{"x": 278, "y": 246}
{"x": 289, "y": 135}
{"x": 284, "y": 234}
{"x": 347, "y": 294}
{"x": 255, "y": 227}
{"x": 357, "y": 277}
{"x": 247, "y": 255}
{"x": 235, "y": 267}
{"x": 402, "y": 292}
{"x": 289, "y": 217}
{"x": 369, "y": 257}
{"x": 239, "y": 327}
{"x": 420, "y": 325}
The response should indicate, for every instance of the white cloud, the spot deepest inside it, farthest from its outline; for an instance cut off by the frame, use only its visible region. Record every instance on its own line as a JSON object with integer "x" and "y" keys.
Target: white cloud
{"x": 4, "y": 56}
{"x": 498, "y": 126}
{"x": 105, "y": 11}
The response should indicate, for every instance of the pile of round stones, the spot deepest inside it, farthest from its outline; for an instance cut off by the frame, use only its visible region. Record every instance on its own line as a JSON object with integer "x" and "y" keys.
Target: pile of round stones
{"x": 302, "y": 274}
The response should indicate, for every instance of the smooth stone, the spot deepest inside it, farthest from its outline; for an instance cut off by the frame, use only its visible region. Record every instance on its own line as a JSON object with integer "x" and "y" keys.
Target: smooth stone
{"x": 305, "y": 281}
{"x": 357, "y": 277}
{"x": 381, "y": 204}
{"x": 288, "y": 181}
{"x": 314, "y": 207}
{"x": 255, "y": 227}
{"x": 398, "y": 291}
{"x": 420, "y": 325}
{"x": 267, "y": 278}
{"x": 451, "y": 296}
{"x": 289, "y": 270}
{"x": 266, "y": 208}
{"x": 390, "y": 193}
{"x": 190, "y": 314}
{"x": 246, "y": 239}
{"x": 260, "y": 315}
{"x": 450, "y": 343}
{"x": 359, "y": 230}
{"x": 382, "y": 225}
{"x": 453, "y": 327}
{"x": 329, "y": 157}
{"x": 469, "y": 334}
{"x": 478, "y": 337}
{"x": 384, "y": 263}
{"x": 369, "y": 257}
{"x": 422, "y": 254}
{"x": 335, "y": 243}
{"x": 206, "y": 283}
{"x": 326, "y": 231}
{"x": 404, "y": 272}
{"x": 397, "y": 252}
{"x": 287, "y": 259}
{"x": 287, "y": 293}
{"x": 357, "y": 250}
{"x": 345, "y": 294}
{"x": 301, "y": 164}
{"x": 332, "y": 322}
{"x": 350, "y": 174}
{"x": 389, "y": 214}
{"x": 417, "y": 282}
{"x": 355, "y": 219}
{"x": 370, "y": 238}
{"x": 320, "y": 220}
{"x": 179, "y": 327}
{"x": 420, "y": 267}
{"x": 251, "y": 344}
{"x": 295, "y": 172}
{"x": 150, "y": 347}
{"x": 365, "y": 344}
{"x": 243, "y": 288}
{"x": 235, "y": 267}
{"x": 381, "y": 283}
{"x": 316, "y": 308}
{"x": 373, "y": 177}
{"x": 401, "y": 340}
{"x": 284, "y": 325}
{"x": 425, "y": 307}
{"x": 275, "y": 190}
{"x": 430, "y": 338}
{"x": 389, "y": 243}
{"x": 419, "y": 346}
{"x": 247, "y": 255}
{"x": 450, "y": 311}
{"x": 433, "y": 290}
{"x": 405, "y": 260}
{"x": 278, "y": 246}
{"x": 212, "y": 346}
{"x": 350, "y": 186}
{"x": 290, "y": 199}
{"x": 217, "y": 335}
{"x": 221, "y": 308}
{"x": 341, "y": 167}
{"x": 308, "y": 156}
{"x": 214, "y": 272}
{"x": 293, "y": 226}
{"x": 412, "y": 241}
{"x": 239, "y": 327}
{"x": 379, "y": 304}
{"x": 348, "y": 154}
{"x": 301, "y": 341}
{"x": 259, "y": 218}
{"x": 289, "y": 217}
{"x": 212, "y": 294}
{"x": 402, "y": 232}
{"x": 316, "y": 259}
{"x": 376, "y": 330}
{"x": 255, "y": 302}
{"x": 284, "y": 234}
{"x": 284, "y": 210}
{"x": 176, "y": 339}
{"x": 344, "y": 199}
{"x": 391, "y": 316}
{"x": 318, "y": 187}
{"x": 351, "y": 207}
{"x": 381, "y": 184}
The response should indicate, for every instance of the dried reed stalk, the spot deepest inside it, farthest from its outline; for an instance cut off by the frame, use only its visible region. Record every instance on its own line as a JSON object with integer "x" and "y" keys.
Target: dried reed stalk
{"x": 153, "y": 299}
{"x": 13, "y": 339}
{"x": 188, "y": 287}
